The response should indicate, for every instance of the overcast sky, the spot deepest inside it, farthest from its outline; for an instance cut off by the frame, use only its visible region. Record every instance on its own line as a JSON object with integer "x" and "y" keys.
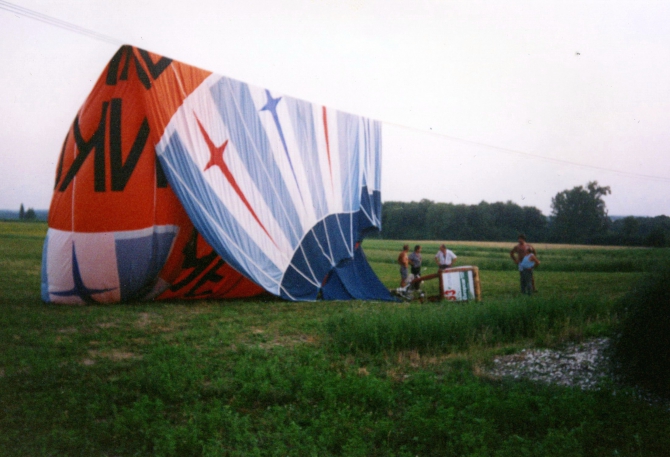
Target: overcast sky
{"x": 480, "y": 100}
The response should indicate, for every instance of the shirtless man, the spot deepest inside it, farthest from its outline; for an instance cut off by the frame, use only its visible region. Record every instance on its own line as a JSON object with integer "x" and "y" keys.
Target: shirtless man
{"x": 403, "y": 261}
{"x": 519, "y": 251}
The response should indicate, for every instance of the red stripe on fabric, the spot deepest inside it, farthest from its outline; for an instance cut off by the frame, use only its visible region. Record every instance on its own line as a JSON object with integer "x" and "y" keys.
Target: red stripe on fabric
{"x": 216, "y": 159}
{"x": 325, "y": 129}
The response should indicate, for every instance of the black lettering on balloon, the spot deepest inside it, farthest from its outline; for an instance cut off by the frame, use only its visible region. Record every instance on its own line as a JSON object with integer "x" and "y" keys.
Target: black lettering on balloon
{"x": 121, "y": 172}
{"x": 211, "y": 276}
{"x": 208, "y": 264}
{"x": 161, "y": 179}
{"x": 155, "y": 69}
{"x": 198, "y": 264}
{"x": 59, "y": 170}
{"x": 119, "y": 66}
{"x": 84, "y": 148}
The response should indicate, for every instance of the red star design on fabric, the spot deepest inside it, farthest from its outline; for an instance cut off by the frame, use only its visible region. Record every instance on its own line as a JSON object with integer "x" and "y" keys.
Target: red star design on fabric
{"x": 216, "y": 154}
{"x": 216, "y": 159}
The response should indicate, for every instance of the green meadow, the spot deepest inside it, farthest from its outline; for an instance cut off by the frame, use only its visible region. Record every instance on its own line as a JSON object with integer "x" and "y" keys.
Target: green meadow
{"x": 268, "y": 377}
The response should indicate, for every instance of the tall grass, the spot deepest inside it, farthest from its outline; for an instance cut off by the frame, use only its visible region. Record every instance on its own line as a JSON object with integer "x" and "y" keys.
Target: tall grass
{"x": 453, "y": 327}
{"x": 267, "y": 377}
{"x": 641, "y": 347}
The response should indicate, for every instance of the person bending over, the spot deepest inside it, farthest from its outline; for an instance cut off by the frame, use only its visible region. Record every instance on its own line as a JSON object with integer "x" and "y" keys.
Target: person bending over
{"x": 445, "y": 258}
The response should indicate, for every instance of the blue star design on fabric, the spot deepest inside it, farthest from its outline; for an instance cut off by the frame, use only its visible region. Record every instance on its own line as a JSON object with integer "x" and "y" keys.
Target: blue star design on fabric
{"x": 271, "y": 105}
{"x": 79, "y": 288}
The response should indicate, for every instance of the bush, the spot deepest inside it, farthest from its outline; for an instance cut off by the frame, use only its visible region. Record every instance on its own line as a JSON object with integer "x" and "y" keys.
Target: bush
{"x": 641, "y": 346}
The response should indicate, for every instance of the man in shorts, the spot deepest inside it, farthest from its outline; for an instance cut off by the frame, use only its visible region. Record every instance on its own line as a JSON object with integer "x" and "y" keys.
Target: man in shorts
{"x": 521, "y": 250}
{"x": 526, "y": 266}
{"x": 403, "y": 261}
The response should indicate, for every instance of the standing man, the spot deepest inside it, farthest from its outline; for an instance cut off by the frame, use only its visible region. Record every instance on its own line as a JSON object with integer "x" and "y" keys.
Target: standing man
{"x": 415, "y": 260}
{"x": 444, "y": 258}
{"x": 520, "y": 251}
{"x": 403, "y": 261}
{"x": 526, "y": 266}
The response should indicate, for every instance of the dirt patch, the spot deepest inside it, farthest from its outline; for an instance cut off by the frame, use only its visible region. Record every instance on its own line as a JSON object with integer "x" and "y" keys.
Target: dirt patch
{"x": 408, "y": 361}
{"x": 287, "y": 341}
{"x": 68, "y": 330}
{"x": 115, "y": 355}
{"x": 107, "y": 325}
{"x": 143, "y": 320}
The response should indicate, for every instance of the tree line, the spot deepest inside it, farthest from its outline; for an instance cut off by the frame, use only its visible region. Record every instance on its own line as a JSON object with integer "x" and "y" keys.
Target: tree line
{"x": 27, "y": 215}
{"x": 579, "y": 216}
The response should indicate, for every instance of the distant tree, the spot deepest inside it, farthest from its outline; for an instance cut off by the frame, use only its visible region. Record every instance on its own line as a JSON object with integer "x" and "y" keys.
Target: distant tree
{"x": 534, "y": 224}
{"x": 630, "y": 227}
{"x": 580, "y": 214}
{"x": 22, "y": 213}
{"x": 428, "y": 220}
{"x": 402, "y": 220}
{"x": 656, "y": 239}
{"x": 437, "y": 221}
{"x": 30, "y": 215}
{"x": 481, "y": 223}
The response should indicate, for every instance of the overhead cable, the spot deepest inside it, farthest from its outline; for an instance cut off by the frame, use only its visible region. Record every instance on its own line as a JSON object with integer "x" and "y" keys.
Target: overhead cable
{"x": 4, "y": 5}
{"x": 7, "y": 6}
{"x": 536, "y": 156}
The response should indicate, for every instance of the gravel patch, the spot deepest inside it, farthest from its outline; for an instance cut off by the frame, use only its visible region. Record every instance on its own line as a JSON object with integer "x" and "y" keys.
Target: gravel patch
{"x": 581, "y": 365}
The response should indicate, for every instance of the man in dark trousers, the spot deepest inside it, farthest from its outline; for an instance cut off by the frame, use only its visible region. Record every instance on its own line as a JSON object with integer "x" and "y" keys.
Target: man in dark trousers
{"x": 403, "y": 261}
{"x": 521, "y": 250}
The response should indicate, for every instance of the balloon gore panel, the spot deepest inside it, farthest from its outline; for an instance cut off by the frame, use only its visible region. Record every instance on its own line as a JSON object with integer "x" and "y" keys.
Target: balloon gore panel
{"x": 174, "y": 182}
{"x": 116, "y": 228}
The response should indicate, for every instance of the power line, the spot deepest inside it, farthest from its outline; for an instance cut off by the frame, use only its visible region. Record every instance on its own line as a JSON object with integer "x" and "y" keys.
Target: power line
{"x": 536, "y": 156}
{"x": 98, "y": 36}
{"x": 57, "y": 22}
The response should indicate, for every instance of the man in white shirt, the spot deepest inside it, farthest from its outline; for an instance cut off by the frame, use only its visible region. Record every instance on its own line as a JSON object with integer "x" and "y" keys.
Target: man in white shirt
{"x": 445, "y": 258}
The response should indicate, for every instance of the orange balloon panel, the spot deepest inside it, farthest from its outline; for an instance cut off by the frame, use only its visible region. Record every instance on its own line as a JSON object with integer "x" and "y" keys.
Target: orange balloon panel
{"x": 108, "y": 178}
{"x": 204, "y": 274}
{"x": 117, "y": 231}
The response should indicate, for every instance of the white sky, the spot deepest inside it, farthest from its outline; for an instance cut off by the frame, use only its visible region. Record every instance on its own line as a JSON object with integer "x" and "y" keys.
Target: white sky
{"x": 481, "y": 100}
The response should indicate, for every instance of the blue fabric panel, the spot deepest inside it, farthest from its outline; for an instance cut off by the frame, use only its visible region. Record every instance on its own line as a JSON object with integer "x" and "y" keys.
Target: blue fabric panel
{"x": 213, "y": 220}
{"x": 349, "y": 131}
{"x": 139, "y": 261}
{"x": 303, "y": 126}
{"x": 371, "y": 204}
{"x": 376, "y": 156}
{"x": 339, "y": 229}
{"x": 311, "y": 259}
{"x": 318, "y": 232}
{"x": 334, "y": 288}
{"x": 365, "y": 215}
{"x": 238, "y": 112}
{"x": 376, "y": 204}
{"x": 351, "y": 278}
{"x": 133, "y": 258}
{"x": 355, "y": 279}
{"x": 315, "y": 258}
{"x": 44, "y": 287}
{"x": 302, "y": 264}
{"x": 294, "y": 287}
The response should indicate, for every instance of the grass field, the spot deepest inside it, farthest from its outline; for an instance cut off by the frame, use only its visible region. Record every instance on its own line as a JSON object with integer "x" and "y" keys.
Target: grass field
{"x": 267, "y": 377}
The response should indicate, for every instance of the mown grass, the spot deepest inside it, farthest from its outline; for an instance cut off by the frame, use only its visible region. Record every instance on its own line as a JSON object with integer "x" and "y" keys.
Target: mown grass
{"x": 266, "y": 377}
